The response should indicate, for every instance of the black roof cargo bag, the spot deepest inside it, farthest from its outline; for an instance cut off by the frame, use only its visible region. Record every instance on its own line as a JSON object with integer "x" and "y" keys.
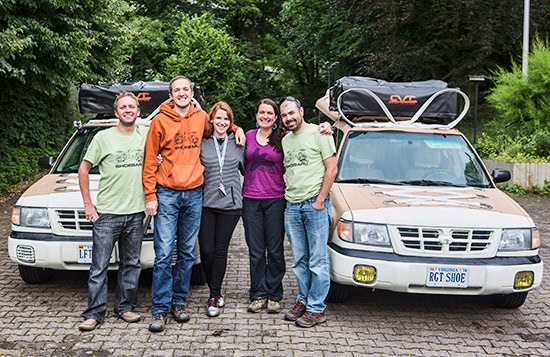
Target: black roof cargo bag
{"x": 99, "y": 98}
{"x": 402, "y": 99}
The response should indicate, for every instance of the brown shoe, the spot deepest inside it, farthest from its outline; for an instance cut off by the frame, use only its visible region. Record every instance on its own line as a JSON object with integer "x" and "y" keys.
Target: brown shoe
{"x": 310, "y": 319}
{"x": 130, "y": 316}
{"x": 88, "y": 325}
{"x": 257, "y": 305}
{"x": 296, "y": 312}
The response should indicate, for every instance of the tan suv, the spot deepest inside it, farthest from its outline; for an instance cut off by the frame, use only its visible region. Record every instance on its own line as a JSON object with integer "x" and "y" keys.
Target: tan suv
{"x": 415, "y": 209}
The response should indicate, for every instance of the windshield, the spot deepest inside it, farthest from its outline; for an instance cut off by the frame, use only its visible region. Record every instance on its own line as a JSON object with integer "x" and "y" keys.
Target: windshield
{"x": 72, "y": 156}
{"x": 410, "y": 159}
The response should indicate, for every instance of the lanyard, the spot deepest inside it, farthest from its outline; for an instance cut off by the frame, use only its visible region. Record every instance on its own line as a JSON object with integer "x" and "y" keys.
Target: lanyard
{"x": 221, "y": 157}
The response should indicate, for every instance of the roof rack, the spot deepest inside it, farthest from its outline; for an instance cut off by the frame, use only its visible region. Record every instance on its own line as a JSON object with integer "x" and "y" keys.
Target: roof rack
{"x": 412, "y": 122}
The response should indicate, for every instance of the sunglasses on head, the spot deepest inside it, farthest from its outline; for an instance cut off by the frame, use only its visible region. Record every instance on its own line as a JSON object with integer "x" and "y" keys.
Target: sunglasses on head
{"x": 291, "y": 99}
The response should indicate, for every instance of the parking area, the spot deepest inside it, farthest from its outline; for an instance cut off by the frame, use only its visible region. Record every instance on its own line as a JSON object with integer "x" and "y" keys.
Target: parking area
{"x": 42, "y": 320}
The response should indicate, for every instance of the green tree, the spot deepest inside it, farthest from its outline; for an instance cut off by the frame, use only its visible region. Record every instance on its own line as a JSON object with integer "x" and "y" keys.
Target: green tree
{"x": 524, "y": 105}
{"x": 207, "y": 54}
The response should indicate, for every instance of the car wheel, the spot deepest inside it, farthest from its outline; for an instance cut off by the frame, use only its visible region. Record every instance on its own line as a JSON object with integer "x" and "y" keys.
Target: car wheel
{"x": 197, "y": 275}
{"x": 34, "y": 275}
{"x": 338, "y": 293}
{"x": 510, "y": 301}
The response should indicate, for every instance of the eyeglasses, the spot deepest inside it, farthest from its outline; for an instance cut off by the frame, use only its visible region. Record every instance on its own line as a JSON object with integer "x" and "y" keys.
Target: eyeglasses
{"x": 291, "y": 99}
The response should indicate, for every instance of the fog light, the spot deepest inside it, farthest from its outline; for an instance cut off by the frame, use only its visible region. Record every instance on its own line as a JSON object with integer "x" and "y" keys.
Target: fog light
{"x": 524, "y": 279}
{"x": 364, "y": 274}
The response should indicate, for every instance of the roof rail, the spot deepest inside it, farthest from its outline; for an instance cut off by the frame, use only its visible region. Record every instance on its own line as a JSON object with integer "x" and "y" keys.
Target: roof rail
{"x": 408, "y": 123}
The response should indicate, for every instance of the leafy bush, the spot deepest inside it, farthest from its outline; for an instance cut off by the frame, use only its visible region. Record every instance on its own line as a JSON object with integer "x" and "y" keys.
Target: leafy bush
{"x": 19, "y": 164}
{"x": 536, "y": 190}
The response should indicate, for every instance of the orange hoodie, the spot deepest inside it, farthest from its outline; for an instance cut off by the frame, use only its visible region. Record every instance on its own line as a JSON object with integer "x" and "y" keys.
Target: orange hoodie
{"x": 178, "y": 140}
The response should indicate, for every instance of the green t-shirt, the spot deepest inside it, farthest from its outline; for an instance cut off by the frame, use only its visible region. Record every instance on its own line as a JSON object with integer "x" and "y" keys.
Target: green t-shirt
{"x": 119, "y": 157}
{"x": 304, "y": 154}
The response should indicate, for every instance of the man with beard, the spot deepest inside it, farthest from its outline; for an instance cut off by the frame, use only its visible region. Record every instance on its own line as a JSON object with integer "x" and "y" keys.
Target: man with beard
{"x": 310, "y": 163}
{"x": 118, "y": 215}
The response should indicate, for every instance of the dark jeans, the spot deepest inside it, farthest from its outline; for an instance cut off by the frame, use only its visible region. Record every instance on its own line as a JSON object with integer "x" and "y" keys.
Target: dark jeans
{"x": 214, "y": 236}
{"x": 264, "y": 232}
{"x": 108, "y": 229}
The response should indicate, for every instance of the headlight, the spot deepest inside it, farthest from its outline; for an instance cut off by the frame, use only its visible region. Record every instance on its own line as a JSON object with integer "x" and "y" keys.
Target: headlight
{"x": 515, "y": 239}
{"x": 30, "y": 217}
{"x": 364, "y": 233}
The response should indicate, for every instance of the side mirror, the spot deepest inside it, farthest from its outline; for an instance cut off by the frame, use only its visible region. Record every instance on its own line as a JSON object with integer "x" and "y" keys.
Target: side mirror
{"x": 501, "y": 175}
{"x": 46, "y": 162}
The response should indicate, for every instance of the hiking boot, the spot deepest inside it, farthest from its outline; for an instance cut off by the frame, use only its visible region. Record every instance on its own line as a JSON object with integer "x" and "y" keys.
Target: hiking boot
{"x": 257, "y": 305}
{"x": 180, "y": 315}
{"x": 221, "y": 301}
{"x": 88, "y": 325}
{"x": 273, "y": 307}
{"x": 213, "y": 307}
{"x": 310, "y": 319}
{"x": 158, "y": 322}
{"x": 296, "y": 312}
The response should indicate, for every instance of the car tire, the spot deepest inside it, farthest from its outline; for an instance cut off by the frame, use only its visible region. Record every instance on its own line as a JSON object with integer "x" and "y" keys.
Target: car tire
{"x": 34, "y": 275}
{"x": 338, "y": 293}
{"x": 510, "y": 301}
{"x": 197, "y": 275}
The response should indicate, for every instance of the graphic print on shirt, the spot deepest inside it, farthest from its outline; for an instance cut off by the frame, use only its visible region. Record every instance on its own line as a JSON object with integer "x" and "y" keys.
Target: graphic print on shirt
{"x": 186, "y": 140}
{"x": 260, "y": 163}
{"x": 128, "y": 158}
{"x": 295, "y": 158}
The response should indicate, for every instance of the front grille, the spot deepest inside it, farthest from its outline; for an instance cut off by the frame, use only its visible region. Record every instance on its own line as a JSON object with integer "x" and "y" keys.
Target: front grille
{"x": 73, "y": 220}
{"x": 433, "y": 239}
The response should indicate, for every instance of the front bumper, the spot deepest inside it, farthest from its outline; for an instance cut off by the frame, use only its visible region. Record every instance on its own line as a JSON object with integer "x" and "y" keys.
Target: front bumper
{"x": 60, "y": 252}
{"x": 408, "y": 274}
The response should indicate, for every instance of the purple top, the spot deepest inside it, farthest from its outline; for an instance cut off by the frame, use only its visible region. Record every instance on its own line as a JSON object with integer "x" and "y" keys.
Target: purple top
{"x": 263, "y": 175}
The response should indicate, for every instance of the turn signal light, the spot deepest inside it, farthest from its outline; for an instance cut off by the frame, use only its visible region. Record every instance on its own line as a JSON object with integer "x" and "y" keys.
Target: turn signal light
{"x": 524, "y": 279}
{"x": 364, "y": 274}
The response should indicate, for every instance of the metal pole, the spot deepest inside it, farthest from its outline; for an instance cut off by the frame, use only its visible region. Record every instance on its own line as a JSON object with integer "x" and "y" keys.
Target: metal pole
{"x": 525, "y": 56}
{"x": 475, "y": 115}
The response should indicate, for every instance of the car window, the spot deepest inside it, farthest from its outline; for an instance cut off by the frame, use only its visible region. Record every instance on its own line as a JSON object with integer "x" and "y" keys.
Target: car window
{"x": 410, "y": 158}
{"x": 72, "y": 156}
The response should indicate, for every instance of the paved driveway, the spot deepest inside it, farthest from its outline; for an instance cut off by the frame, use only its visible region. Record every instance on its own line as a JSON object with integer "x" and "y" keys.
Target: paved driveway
{"x": 42, "y": 320}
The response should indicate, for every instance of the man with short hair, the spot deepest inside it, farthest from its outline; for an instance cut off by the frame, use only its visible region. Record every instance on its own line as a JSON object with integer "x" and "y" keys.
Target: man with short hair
{"x": 173, "y": 192}
{"x": 118, "y": 215}
{"x": 310, "y": 163}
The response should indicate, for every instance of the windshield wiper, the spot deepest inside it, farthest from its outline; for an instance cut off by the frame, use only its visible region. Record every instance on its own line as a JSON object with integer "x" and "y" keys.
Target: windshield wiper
{"x": 367, "y": 180}
{"x": 430, "y": 183}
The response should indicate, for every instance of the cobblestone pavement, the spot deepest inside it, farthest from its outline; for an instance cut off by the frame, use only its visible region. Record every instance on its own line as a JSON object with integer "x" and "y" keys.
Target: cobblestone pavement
{"x": 43, "y": 319}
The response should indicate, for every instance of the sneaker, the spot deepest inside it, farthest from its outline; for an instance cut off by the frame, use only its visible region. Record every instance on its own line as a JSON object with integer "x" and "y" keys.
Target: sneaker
{"x": 180, "y": 315}
{"x": 273, "y": 307}
{"x": 158, "y": 322}
{"x": 221, "y": 301}
{"x": 213, "y": 307}
{"x": 310, "y": 319}
{"x": 257, "y": 305}
{"x": 296, "y": 312}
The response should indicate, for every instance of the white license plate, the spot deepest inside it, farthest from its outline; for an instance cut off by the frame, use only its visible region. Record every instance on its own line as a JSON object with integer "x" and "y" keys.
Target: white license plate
{"x": 447, "y": 277}
{"x": 84, "y": 254}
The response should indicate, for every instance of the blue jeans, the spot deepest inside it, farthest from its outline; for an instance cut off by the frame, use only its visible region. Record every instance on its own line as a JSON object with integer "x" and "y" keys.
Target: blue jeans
{"x": 179, "y": 212}
{"x": 128, "y": 231}
{"x": 308, "y": 230}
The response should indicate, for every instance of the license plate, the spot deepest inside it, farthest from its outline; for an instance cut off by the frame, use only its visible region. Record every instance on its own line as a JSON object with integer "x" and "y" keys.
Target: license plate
{"x": 84, "y": 254}
{"x": 447, "y": 277}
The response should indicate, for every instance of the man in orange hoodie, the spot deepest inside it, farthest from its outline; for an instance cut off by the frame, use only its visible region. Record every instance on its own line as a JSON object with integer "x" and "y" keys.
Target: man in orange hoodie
{"x": 173, "y": 193}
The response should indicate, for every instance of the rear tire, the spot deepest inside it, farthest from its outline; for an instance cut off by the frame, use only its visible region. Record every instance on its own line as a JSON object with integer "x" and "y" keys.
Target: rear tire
{"x": 197, "y": 275}
{"x": 34, "y": 275}
{"x": 338, "y": 293}
{"x": 510, "y": 301}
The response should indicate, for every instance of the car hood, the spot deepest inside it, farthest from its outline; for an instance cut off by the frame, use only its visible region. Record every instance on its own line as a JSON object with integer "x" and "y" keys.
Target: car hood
{"x": 57, "y": 190}
{"x": 430, "y": 206}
